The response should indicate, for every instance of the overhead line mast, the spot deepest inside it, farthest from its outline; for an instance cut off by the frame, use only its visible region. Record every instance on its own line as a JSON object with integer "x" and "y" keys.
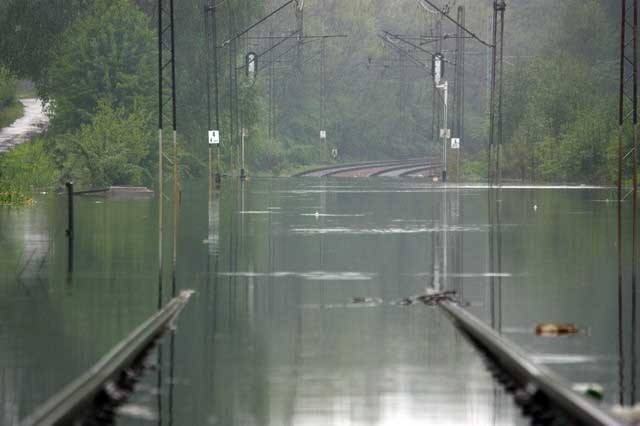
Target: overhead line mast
{"x": 166, "y": 41}
{"x": 628, "y": 116}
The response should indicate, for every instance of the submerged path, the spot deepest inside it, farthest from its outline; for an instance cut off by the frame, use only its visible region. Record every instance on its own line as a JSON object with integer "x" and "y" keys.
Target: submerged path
{"x": 33, "y": 122}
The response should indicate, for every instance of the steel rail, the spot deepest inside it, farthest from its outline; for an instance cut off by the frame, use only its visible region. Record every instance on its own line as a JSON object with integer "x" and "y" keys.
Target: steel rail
{"x": 381, "y": 173}
{"x": 344, "y": 167}
{"x": 421, "y": 169}
{"x": 388, "y": 166}
{"x": 528, "y": 373}
{"x": 76, "y": 398}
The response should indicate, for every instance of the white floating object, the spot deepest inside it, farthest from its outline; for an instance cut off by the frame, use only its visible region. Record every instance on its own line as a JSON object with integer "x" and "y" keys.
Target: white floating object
{"x": 630, "y": 414}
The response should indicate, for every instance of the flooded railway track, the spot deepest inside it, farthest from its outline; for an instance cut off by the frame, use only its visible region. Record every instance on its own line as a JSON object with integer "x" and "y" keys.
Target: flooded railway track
{"x": 391, "y": 168}
{"x": 110, "y": 381}
{"x": 541, "y": 394}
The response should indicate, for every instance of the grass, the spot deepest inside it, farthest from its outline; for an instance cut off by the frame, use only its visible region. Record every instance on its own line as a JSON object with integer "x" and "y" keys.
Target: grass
{"x": 10, "y": 114}
{"x": 13, "y": 198}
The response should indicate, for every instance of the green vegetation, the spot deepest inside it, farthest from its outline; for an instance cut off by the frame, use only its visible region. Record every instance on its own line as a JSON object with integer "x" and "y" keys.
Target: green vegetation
{"x": 105, "y": 56}
{"x": 95, "y": 60}
{"x": 99, "y": 79}
{"x": 561, "y": 101}
{"x": 25, "y": 169}
{"x": 110, "y": 150}
{"x": 10, "y": 108}
{"x": 10, "y": 114}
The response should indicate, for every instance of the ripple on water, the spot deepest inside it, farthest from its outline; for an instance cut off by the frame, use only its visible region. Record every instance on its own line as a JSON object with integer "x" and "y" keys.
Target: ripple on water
{"x": 136, "y": 411}
{"x": 310, "y": 276}
{"x": 384, "y": 231}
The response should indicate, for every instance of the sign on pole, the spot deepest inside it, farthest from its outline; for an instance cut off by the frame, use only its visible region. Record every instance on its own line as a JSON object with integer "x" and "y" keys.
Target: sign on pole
{"x": 455, "y": 143}
{"x": 438, "y": 68}
{"x": 214, "y": 137}
{"x": 323, "y": 134}
{"x": 251, "y": 64}
{"x": 445, "y": 133}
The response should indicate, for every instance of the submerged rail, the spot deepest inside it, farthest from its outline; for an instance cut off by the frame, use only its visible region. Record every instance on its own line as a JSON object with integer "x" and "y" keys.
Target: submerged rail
{"x": 537, "y": 380}
{"x": 77, "y": 398}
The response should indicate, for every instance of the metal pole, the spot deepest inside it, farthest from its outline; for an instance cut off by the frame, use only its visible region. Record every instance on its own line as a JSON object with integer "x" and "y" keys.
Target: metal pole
{"x": 175, "y": 149}
{"x": 323, "y": 89}
{"x": 242, "y": 171}
{"x": 501, "y": 8}
{"x": 208, "y": 10}
{"x": 160, "y": 154}
{"x": 621, "y": 117}
{"x": 215, "y": 84}
{"x": 70, "y": 230}
{"x": 235, "y": 89}
{"x": 490, "y": 171}
{"x": 445, "y": 138}
{"x": 299, "y": 5}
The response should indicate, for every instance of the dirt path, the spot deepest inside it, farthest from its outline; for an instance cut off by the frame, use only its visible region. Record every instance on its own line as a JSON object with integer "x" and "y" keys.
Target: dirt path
{"x": 33, "y": 122}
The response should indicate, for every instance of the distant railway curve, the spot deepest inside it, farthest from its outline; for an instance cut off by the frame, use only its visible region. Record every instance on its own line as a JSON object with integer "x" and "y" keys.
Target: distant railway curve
{"x": 396, "y": 168}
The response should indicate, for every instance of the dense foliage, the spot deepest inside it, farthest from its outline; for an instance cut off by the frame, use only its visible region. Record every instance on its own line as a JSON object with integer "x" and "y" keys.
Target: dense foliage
{"x": 96, "y": 61}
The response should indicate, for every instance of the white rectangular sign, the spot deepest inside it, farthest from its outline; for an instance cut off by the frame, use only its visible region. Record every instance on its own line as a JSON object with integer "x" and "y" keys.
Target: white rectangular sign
{"x": 455, "y": 143}
{"x": 445, "y": 133}
{"x": 323, "y": 134}
{"x": 214, "y": 137}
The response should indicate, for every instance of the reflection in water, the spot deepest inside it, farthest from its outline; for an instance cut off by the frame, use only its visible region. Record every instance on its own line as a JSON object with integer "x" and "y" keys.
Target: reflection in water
{"x": 250, "y": 350}
{"x": 495, "y": 256}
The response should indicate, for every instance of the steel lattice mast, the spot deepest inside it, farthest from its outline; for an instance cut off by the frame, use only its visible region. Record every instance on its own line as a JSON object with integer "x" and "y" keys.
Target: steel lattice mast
{"x": 627, "y": 119}
{"x": 166, "y": 95}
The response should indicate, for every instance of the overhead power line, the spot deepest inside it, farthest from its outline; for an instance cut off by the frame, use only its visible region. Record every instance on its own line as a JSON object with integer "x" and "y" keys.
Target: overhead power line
{"x": 246, "y": 30}
{"x": 456, "y": 23}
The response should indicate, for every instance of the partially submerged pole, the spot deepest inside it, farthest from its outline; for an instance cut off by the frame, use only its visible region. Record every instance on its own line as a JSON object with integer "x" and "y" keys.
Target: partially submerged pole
{"x": 69, "y": 186}
{"x": 242, "y": 171}
{"x": 70, "y": 230}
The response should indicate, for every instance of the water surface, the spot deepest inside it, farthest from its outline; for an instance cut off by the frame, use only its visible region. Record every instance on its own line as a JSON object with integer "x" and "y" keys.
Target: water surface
{"x": 296, "y": 317}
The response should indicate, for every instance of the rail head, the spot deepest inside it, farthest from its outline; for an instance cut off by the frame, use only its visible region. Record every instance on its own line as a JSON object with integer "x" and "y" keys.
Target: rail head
{"x": 74, "y": 399}
{"x": 337, "y": 168}
{"x": 514, "y": 360}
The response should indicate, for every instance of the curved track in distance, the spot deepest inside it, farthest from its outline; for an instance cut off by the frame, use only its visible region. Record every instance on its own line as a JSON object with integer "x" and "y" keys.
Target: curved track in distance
{"x": 390, "y": 168}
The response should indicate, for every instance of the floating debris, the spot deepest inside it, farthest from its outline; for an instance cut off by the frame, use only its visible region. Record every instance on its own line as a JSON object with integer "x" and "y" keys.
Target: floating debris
{"x": 368, "y": 301}
{"x": 429, "y": 299}
{"x": 404, "y": 302}
{"x": 555, "y": 329}
{"x": 630, "y": 414}
{"x": 433, "y": 299}
{"x": 592, "y": 390}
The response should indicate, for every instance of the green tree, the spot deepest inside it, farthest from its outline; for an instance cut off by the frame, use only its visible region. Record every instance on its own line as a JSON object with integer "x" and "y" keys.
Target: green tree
{"x": 7, "y": 88}
{"x": 110, "y": 150}
{"x": 106, "y": 55}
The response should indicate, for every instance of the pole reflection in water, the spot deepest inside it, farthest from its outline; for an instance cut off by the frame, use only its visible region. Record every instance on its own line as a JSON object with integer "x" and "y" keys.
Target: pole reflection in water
{"x": 627, "y": 313}
{"x": 438, "y": 247}
{"x": 445, "y": 239}
{"x": 161, "y": 393}
{"x": 495, "y": 257}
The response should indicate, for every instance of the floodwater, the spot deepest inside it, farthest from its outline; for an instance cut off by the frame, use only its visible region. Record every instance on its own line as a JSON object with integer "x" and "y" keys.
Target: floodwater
{"x": 296, "y": 317}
